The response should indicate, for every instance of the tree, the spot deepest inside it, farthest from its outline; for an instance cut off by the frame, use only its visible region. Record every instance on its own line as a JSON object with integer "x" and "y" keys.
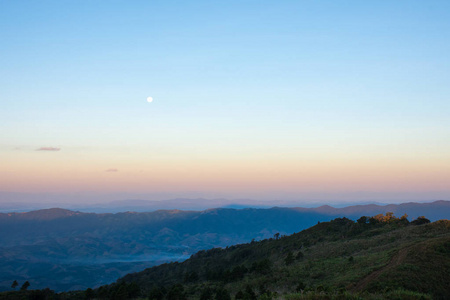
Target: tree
{"x": 249, "y": 293}
{"x": 239, "y": 295}
{"x": 276, "y": 235}
{"x": 300, "y": 287}
{"x": 420, "y": 221}
{"x": 289, "y": 258}
{"x": 14, "y": 284}
{"x": 25, "y": 286}
{"x": 191, "y": 277}
{"x": 262, "y": 267}
{"x": 133, "y": 290}
{"x": 176, "y": 293}
{"x": 103, "y": 292}
{"x": 42, "y": 294}
{"x": 89, "y": 294}
{"x": 222, "y": 294}
{"x": 206, "y": 294}
{"x": 156, "y": 293}
{"x": 236, "y": 273}
{"x": 389, "y": 217}
{"x": 363, "y": 220}
{"x": 376, "y": 219}
{"x": 120, "y": 293}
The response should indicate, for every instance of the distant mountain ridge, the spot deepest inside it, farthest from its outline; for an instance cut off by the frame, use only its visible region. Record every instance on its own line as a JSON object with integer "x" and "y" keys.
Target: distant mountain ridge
{"x": 88, "y": 244}
{"x": 436, "y": 210}
{"x": 197, "y": 204}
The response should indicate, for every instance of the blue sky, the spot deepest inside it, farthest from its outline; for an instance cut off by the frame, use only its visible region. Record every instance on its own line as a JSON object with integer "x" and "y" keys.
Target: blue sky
{"x": 264, "y": 88}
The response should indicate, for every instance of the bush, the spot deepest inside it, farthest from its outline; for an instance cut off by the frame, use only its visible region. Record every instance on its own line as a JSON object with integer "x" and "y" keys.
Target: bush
{"x": 420, "y": 221}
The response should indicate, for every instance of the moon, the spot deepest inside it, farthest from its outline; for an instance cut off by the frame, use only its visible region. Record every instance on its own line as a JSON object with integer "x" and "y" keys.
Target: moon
{"x": 149, "y": 99}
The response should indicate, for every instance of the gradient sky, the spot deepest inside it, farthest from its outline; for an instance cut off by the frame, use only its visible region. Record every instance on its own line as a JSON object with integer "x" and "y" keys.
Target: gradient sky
{"x": 298, "y": 100}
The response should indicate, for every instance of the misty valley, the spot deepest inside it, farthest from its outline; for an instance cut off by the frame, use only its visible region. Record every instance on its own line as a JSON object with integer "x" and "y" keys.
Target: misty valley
{"x": 68, "y": 251}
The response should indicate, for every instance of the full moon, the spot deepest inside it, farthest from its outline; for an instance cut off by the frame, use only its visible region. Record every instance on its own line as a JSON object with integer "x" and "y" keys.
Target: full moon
{"x": 149, "y": 99}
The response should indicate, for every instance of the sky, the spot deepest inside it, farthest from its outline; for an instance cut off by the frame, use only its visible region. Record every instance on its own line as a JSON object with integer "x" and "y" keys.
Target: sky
{"x": 268, "y": 100}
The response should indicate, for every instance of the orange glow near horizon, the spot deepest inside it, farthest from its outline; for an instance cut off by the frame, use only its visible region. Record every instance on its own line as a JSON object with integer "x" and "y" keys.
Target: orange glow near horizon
{"x": 58, "y": 172}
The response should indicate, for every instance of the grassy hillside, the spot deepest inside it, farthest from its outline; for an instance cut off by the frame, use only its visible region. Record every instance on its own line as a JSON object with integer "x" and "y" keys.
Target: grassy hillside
{"x": 67, "y": 250}
{"x": 375, "y": 257}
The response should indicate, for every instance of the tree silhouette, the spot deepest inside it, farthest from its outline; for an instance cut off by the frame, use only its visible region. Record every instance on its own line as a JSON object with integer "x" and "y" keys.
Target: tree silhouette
{"x": 14, "y": 284}
{"x": 89, "y": 294}
{"x": 420, "y": 221}
{"x": 25, "y": 286}
{"x": 363, "y": 220}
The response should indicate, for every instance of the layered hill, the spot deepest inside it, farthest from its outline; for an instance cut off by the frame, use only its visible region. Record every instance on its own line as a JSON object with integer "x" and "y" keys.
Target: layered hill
{"x": 381, "y": 257}
{"x": 68, "y": 250}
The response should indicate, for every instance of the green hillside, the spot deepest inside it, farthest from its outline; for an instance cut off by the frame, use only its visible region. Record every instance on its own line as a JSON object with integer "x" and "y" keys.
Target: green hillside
{"x": 373, "y": 258}
{"x": 68, "y": 250}
{"x": 382, "y": 255}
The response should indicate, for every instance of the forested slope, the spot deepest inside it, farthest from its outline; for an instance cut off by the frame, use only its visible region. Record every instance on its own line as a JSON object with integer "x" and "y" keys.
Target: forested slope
{"x": 377, "y": 255}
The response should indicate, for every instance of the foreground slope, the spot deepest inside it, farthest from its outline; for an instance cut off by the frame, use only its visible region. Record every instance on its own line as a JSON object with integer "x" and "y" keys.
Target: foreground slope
{"x": 337, "y": 256}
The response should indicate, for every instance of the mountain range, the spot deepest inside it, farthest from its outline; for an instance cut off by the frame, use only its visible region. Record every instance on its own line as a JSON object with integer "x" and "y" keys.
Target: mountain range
{"x": 69, "y": 250}
{"x": 8, "y": 204}
{"x": 380, "y": 257}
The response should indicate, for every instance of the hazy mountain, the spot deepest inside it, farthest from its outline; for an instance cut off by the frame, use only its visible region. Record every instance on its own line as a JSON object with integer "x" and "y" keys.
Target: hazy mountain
{"x": 139, "y": 205}
{"x": 436, "y": 210}
{"x": 382, "y": 257}
{"x": 66, "y": 249}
